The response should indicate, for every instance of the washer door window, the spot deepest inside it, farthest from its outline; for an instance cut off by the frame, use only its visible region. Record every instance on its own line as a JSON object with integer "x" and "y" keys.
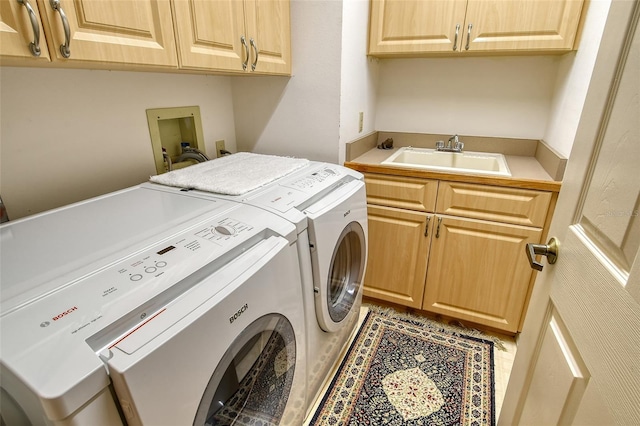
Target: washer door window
{"x": 253, "y": 381}
{"x": 345, "y": 272}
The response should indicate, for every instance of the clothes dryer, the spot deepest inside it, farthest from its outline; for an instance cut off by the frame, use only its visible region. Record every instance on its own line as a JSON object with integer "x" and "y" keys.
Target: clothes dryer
{"x": 145, "y": 307}
{"x": 327, "y": 204}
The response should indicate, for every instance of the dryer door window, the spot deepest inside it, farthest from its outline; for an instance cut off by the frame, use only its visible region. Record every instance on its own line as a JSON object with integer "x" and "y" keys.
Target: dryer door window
{"x": 252, "y": 382}
{"x": 346, "y": 271}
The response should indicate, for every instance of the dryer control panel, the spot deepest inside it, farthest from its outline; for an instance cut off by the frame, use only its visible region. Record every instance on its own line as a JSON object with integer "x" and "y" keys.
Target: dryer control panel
{"x": 303, "y": 190}
{"x": 315, "y": 179}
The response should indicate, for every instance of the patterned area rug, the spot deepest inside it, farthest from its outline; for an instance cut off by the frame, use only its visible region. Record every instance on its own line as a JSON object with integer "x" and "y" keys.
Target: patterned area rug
{"x": 403, "y": 370}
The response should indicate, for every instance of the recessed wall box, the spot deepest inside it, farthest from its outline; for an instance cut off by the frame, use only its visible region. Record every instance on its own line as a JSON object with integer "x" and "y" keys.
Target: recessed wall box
{"x": 171, "y": 130}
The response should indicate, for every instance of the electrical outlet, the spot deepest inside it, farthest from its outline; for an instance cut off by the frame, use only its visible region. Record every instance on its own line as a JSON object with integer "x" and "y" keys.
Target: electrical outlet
{"x": 360, "y": 121}
{"x": 219, "y": 148}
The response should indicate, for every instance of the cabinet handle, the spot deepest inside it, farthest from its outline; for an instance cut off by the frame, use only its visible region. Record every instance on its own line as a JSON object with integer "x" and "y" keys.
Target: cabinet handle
{"x": 455, "y": 40}
{"x": 438, "y": 228}
{"x": 255, "y": 48}
{"x": 246, "y": 49}
{"x": 466, "y": 47}
{"x": 34, "y": 46}
{"x": 426, "y": 227}
{"x": 64, "y": 48}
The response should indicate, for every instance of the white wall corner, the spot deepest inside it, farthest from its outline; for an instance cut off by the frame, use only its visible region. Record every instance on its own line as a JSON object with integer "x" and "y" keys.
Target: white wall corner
{"x": 572, "y": 83}
{"x": 359, "y": 76}
{"x": 300, "y": 115}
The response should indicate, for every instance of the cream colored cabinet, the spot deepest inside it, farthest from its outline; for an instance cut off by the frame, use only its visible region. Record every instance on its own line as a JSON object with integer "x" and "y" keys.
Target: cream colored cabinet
{"x": 397, "y": 257}
{"x": 222, "y": 36}
{"x": 477, "y": 268}
{"x": 268, "y": 24}
{"x": 417, "y": 27}
{"x": 405, "y": 27}
{"x": 454, "y": 249}
{"x": 400, "y": 214}
{"x": 478, "y": 271}
{"x": 209, "y": 34}
{"x": 123, "y": 32}
{"x": 92, "y": 34}
{"x": 21, "y": 36}
{"x": 232, "y": 35}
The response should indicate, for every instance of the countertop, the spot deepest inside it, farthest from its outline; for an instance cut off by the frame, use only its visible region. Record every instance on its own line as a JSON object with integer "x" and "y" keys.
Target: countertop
{"x": 526, "y": 172}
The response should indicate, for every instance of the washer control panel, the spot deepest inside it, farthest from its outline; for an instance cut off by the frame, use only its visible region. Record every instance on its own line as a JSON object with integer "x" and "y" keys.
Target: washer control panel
{"x": 94, "y": 301}
{"x": 216, "y": 237}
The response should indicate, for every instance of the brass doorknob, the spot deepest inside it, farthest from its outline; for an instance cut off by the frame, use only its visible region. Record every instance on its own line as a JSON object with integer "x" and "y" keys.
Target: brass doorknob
{"x": 550, "y": 250}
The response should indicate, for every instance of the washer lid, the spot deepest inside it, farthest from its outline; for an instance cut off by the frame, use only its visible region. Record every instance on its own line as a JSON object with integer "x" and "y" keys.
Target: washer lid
{"x": 43, "y": 252}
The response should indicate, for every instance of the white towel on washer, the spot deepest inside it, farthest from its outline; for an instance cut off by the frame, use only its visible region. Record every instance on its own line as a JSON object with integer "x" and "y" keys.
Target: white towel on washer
{"x": 233, "y": 174}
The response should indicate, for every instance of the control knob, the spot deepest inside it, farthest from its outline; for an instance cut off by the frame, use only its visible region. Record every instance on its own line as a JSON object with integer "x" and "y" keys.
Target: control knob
{"x": 224, "y": 230}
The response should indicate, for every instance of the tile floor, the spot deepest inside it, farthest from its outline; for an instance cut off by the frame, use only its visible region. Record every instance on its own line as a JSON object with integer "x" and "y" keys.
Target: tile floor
{"x": 502, "y": 364}
{"x": 503, "y": 361}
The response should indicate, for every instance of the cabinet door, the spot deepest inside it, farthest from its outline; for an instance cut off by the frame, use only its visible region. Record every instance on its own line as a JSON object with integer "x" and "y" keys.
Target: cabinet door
{"x": 269, "y": 27}
{"x": 17, "y": 32}
{"x": 478, "y": 271}
{"x": 521, "y": 25}
{"x": 414, "y": 26}
{"x": 209, "y": 34}
{"x": 397, "y": 255}
{"x": 138, "y": 32}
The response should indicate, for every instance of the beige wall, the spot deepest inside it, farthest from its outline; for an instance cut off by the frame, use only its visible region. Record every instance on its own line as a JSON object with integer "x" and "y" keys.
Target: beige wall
{"x": 481, "y": 96}
{"x": 67, "y": 135}
{"x": 359, "y": 78}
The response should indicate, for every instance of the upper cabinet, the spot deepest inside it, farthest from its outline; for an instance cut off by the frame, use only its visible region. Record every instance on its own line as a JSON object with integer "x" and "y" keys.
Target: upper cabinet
{"x": 242, "y": 36}
{"x": 414, "y": 26}
{"x": 268, "y": 25}
{"x": 420, "y": 28}
{"x": 87, "y": 33}
{"x": 226, "y": 36}
{"x": 209, "y": 34}
{"x": 134, "y": 32}
{"x": 21, "y": 34}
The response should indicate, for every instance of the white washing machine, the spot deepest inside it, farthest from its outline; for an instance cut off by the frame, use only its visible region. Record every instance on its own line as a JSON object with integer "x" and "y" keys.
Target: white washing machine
{"x": 327, "y": 204}
{"x": 145, "y": 307}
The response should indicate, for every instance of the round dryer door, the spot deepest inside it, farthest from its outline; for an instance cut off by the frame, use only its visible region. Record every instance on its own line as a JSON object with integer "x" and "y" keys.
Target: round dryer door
{"x": 253, "y": 381}
{"x": 345, "y": 276}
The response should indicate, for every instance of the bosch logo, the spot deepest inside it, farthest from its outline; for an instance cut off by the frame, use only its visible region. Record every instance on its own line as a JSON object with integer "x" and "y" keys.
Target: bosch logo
{"x": 346, "y": 213}
{"x": 64, "y": 314}
{"x": 239, "y": 313}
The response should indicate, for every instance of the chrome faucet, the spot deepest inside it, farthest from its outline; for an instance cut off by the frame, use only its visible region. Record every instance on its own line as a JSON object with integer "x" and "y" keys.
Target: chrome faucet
{"x": 454, "y": 144}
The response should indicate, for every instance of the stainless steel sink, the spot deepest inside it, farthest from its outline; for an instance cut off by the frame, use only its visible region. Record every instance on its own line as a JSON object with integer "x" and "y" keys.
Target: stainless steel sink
{"x": 454, "y": 162}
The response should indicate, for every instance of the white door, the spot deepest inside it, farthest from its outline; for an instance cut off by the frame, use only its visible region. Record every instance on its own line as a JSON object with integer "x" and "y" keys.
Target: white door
{"x": 578, "y": 358}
